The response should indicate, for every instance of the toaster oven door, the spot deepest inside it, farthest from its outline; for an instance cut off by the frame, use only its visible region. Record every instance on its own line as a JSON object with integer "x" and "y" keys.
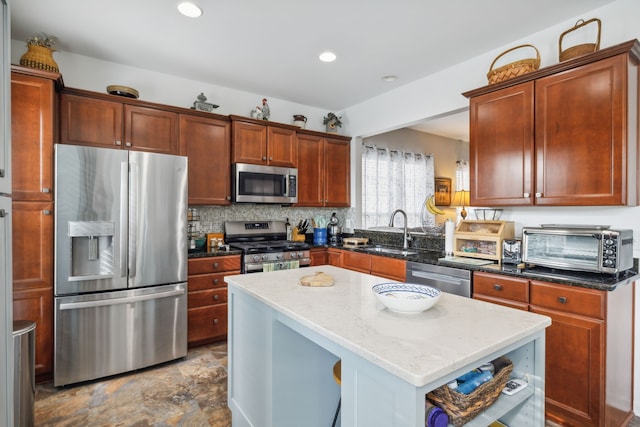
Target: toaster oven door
{"x": 570, "y": 250}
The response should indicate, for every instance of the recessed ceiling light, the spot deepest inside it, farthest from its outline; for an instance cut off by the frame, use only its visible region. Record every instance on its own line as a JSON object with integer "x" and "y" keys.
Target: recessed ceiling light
{"x": 189, "y": 9}
{"x": 390, "y": 78}
{"x": 327, "y": 56}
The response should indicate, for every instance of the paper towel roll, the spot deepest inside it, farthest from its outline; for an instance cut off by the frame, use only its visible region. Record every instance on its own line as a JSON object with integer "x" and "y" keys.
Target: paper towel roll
{"x": 449, "y": 229}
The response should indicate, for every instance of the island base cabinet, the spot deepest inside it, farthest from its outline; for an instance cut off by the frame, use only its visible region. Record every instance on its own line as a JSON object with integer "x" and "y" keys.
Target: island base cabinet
{"x": 281, "y": 374}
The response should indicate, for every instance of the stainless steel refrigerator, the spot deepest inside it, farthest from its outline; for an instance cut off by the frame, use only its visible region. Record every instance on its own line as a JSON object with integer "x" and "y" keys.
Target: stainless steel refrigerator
{"x": 120, "y": 261}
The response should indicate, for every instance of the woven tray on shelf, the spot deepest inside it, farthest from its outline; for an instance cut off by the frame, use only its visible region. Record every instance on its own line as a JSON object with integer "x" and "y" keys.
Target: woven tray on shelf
{"x": 513, "y": 69}
{"x": 581, "y": 49}
{"x": 462, "y": 408}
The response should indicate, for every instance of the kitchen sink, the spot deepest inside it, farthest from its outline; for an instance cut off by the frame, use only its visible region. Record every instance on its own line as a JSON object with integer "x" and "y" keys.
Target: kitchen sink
{"x": 392, "y": 251}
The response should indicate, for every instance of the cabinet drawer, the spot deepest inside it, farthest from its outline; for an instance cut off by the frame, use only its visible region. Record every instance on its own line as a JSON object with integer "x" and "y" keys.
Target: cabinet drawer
{"x": 214, "y": 264}
{"x": 208, "y": 297}
{"x": 586, "y": 302}
{"x": 206, "y": 323}
{"x": 391, "y": 268}
{"x": 503, "y": 287}
{"x": 203, "y": 282}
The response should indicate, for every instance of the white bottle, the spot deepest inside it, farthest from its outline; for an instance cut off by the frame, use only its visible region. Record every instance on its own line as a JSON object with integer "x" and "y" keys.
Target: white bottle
{"x": 289, "y": 230}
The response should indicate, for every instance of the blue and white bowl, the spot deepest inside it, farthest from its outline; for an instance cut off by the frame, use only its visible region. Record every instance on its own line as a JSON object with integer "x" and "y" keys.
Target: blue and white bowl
{"x": 406, "y": 298}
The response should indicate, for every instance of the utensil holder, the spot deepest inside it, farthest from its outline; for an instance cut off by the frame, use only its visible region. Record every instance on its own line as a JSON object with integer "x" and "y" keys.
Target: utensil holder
{"x": 319, "y": 236}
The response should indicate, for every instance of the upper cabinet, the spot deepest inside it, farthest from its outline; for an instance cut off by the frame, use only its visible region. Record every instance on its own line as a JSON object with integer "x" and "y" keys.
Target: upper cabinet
{"x": 88, "y": 118}
{"x": 565, "y": 135}
{"x": 33, "y": 129}
{"x": 323, "y": 170}
{"x": 260, "y": 143}
{"x": 206, "y": 142}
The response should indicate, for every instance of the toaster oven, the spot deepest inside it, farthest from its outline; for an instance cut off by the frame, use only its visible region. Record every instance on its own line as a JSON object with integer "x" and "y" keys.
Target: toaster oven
{"x": 593, "y": 248}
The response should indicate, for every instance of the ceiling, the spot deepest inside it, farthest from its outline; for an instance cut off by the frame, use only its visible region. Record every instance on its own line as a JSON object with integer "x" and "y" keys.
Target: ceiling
{"x": 272, "y": 47}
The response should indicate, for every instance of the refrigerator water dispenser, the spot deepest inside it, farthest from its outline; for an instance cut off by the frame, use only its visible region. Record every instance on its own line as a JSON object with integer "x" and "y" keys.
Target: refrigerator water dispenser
{"x": 91, "y": 249}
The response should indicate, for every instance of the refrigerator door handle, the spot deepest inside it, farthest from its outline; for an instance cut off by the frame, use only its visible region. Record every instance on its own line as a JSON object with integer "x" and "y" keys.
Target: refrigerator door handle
{"x": 133, "y": 218}
{"x": 124, "y": 178}
{"x": 118, "y": 301}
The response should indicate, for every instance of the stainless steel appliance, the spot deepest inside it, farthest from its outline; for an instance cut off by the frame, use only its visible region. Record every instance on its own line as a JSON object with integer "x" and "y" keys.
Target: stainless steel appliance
{"x": 120, "y": 261}
{"x": 511, "y": 251}
{"x": 593, "y": 248}
{"x": 448, "y": 279}
{"x": 264, "y": 184}
{"x": 264, "y": 246}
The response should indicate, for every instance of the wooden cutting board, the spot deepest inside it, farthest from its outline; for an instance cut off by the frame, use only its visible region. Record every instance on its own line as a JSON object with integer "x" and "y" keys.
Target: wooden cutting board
{"x": 319, "y": 279}
{"x": 355, "y": 241}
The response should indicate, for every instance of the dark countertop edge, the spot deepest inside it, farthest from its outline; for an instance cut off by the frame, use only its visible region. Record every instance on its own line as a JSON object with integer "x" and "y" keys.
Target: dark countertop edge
{"x": 603, "y": 282}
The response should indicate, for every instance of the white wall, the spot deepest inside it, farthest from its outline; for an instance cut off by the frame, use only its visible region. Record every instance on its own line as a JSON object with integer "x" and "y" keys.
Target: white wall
{"x": 431, "y": 96}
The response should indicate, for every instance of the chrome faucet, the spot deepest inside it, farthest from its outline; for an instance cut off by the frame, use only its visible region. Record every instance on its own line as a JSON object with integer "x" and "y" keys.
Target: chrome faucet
{"x": 406, "y": 237}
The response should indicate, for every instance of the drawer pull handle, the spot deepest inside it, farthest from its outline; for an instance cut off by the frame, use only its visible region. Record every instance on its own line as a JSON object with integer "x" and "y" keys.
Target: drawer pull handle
{"x": 497, "y": 287}
{"x": 216, "y": 281}
{"x": 216, "y": 297}
{"x": 562, "y": 300}
{"x": 216, "y": 265}
{"x": 215, "y": 321}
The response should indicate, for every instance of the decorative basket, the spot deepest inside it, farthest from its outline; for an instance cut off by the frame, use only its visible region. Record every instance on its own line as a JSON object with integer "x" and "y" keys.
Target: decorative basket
{"x": 40, "y": 57}
{"x": 513, "y": 69}
{"x": 581, "y": 49}
{"x": 462, "y": 408}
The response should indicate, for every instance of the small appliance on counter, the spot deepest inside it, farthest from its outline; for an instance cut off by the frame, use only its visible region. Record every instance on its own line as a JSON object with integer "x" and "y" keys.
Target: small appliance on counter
{"x": 592, "y": 248}
{"x": 334, "y": 231}
{"x": 511, "y": 251}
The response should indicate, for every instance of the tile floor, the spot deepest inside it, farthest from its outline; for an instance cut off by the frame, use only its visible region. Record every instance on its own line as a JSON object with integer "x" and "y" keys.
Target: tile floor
{"x": 190, "y": 392}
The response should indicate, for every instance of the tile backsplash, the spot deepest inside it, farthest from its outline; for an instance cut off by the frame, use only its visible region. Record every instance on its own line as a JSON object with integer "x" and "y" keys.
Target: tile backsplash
{"x": 212, "y": 218}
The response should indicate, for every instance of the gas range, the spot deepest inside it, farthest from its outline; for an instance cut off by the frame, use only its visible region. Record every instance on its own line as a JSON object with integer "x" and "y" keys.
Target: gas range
{"x": 264, "y": 246}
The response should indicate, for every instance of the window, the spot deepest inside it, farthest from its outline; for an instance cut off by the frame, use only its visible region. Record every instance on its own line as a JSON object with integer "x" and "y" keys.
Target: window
{"x": 395, "y": 180}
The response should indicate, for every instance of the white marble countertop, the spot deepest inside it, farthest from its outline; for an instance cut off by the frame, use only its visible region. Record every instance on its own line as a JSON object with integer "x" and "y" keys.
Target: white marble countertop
{"x": 419, "y": 348}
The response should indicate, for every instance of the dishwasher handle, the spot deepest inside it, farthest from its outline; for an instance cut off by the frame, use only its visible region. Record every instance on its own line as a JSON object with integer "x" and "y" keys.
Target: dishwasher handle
{"x": 440, "y": 277}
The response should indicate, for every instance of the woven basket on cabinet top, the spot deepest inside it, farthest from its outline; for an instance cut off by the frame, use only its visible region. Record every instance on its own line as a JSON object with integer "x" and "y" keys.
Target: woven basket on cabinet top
{"x": 514, "y": 69}
{"x": 581, "y": 49}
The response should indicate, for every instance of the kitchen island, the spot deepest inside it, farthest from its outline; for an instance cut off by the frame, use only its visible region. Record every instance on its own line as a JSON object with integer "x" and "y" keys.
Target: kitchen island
{"x": 285, "y": 338}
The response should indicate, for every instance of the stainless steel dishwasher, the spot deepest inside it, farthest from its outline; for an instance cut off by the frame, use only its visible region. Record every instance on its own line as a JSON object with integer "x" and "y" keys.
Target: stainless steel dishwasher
{"x": 448, "y": 279}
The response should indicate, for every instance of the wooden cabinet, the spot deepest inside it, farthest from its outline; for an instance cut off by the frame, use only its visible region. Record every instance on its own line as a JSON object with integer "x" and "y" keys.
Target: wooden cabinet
{"x": 33, "y": 132}
{"x": 105, "y": 121}
{"x": 356, "y": 261}
{"x": 324, "y": 175}
{"x": 207, "y": 144}
{"x": 334, "y": 257}
{"x": 33, "y": 106}
{"x": 589, "y": 345}
{"x": 207, "y": 298}
{"x": 258, "y": 143}
{"x": 561, "y": 136}
{"x": 387, "y": 267}
{"x": 319, "y": 256}
{"x": 33, "y": 276}
{"x": 504, "y": 290}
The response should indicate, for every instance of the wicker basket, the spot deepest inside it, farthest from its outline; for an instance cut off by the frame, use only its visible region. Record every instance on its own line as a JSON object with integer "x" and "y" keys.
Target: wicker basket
{"x": 462, "y": 408}
{"x": 40, "y": 57}
{"x": 513, "y": 69}
{"x": 581, "y": 49}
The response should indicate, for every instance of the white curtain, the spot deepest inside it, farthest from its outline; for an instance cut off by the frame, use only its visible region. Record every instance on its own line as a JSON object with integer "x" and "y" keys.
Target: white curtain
{"x": 391, "y": 180}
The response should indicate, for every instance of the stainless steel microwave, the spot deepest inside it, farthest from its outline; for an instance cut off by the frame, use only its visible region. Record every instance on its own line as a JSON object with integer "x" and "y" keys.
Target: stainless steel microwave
{"x": 582, "y": 248}
{"x": 264, "y": 184}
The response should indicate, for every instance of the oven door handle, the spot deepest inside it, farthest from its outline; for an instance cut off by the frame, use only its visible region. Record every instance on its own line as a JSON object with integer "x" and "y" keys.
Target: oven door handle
{"x": 117, "y": 301}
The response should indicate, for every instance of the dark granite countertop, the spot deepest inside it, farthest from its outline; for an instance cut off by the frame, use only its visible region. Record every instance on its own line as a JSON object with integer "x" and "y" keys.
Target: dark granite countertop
{"x": 204, "y": 254}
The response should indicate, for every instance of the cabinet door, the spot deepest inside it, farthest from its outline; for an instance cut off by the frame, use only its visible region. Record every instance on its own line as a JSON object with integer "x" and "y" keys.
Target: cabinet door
{"x": 508, "y": 291}
{"x": 356, "y": 261}
{"x": 335, "y": 257}
{"x": 150, "y": 129}
{"x": 310, "y": 170}
{"x": 501, "y": 147}
{"x": 282, "y": 147}
{"x": 574, "y": 367}
{"x": 32, "y": 129}
{"x": 89, "y": 121}
{"x": 581, "y": 119}
{"x": 33, "y": 275}
{"x": 207, "y": 144}
{"x": 249, "y": 143}
{"x": 391, "y": 268}
{"x": 207, "y": 324}
{"x": 337, "y": 175}
{"x": 319, "y": 256}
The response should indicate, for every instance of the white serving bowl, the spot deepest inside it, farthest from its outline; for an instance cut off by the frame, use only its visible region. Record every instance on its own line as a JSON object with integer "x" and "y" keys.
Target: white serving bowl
{"x": 406, "y": 298}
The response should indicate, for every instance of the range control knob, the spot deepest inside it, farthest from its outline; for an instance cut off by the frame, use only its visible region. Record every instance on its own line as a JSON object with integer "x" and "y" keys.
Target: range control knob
{"x": 294, "y": 255}
{"x": 256, "y": 257}
{"x": 300, "y": 254}
{"x": 279, "y": 256}
{"x": 265, "y": 257}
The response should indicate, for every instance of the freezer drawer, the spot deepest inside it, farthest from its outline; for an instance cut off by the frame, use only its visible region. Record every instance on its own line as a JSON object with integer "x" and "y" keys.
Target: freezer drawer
{"x": 109, "y": 333}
